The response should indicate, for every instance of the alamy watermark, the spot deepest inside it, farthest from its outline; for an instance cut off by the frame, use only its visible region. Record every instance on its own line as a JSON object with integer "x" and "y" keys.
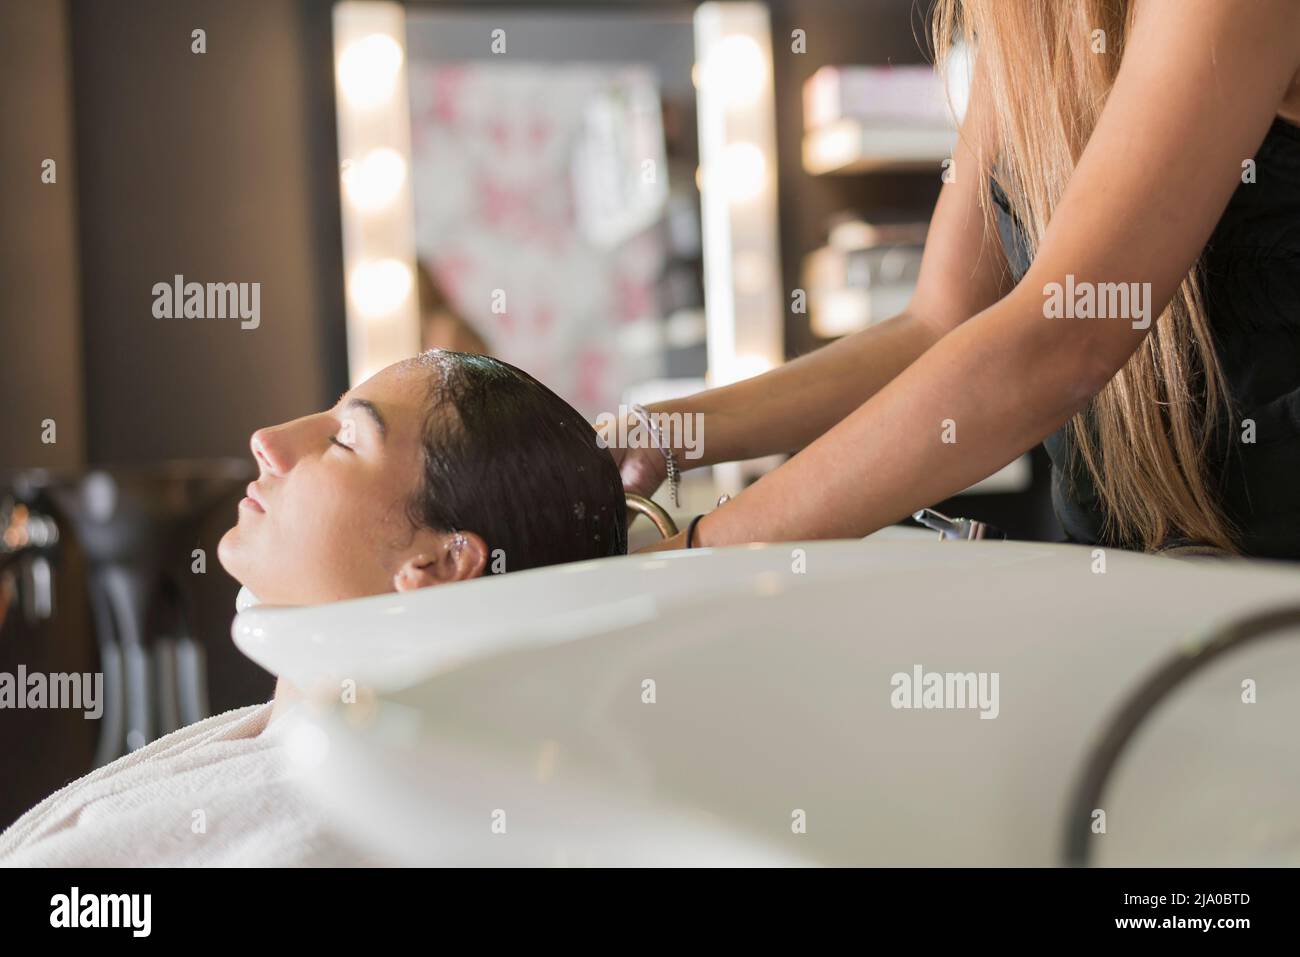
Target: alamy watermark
{"x": 624, "y": 430}
{"x": 179, "y": 299}
{"x": 37, "y": 690}
{"x": 946, "y": 690}
{"x": 130, "y": 911}
{"x": 1098, "y": 300}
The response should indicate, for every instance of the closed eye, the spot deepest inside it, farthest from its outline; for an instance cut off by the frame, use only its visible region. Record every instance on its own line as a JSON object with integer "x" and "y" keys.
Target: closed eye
{"x": 334, "y": 439}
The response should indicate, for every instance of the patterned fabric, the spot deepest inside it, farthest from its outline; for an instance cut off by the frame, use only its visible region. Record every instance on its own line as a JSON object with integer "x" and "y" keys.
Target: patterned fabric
{"x": 503, "y": 174}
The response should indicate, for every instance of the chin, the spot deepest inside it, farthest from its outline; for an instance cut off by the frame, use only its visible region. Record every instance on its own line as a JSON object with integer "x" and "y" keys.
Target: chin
{"x": 228, "y": 554}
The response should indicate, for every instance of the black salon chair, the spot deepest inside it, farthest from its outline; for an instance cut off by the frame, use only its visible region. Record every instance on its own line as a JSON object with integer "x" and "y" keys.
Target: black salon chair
{"x": 137, "y": 527}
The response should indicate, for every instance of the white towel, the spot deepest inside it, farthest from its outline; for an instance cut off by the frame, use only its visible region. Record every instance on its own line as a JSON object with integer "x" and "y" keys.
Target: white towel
{"x": 219, "y": 792}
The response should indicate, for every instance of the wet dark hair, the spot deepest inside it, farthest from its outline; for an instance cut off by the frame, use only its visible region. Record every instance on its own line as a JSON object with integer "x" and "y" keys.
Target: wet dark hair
{"x": 508, "y": 459}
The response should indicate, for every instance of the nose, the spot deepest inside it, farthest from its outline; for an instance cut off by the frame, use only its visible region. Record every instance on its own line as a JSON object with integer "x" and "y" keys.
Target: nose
{"x": 273, "y": 455}
{"x": 278, "y": 448}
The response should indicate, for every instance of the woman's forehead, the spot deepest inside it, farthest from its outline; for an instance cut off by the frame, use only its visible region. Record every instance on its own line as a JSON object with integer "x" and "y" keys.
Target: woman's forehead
{"x": 400, "y": 394}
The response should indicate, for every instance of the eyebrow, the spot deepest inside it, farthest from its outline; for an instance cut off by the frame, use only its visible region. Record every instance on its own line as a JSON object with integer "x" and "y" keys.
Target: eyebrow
{"x": 372, "y": 411}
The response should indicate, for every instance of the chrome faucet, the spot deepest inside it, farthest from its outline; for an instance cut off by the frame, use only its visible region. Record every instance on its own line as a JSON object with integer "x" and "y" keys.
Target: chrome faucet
{"x": 957, "y": 529}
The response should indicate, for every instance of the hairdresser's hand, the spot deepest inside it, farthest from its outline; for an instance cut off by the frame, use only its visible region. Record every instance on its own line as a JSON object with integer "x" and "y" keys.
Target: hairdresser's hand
{"x": 643, "y": 470}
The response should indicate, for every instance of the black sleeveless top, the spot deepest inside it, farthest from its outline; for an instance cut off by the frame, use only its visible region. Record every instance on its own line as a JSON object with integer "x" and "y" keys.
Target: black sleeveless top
{"x": 1251, "y": 291}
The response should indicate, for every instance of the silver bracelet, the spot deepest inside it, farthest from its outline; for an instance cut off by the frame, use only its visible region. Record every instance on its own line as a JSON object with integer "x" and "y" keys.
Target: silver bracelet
{"x": 674, "y": 474}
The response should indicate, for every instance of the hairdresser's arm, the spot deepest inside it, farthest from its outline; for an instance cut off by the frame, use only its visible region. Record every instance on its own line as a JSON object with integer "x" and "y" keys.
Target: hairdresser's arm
{"x": 962, "y": 271}
{"x": 1199, "y": 85}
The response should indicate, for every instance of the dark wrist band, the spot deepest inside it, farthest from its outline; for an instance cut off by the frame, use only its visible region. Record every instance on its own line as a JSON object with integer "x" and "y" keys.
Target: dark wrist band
{"x": 690, "y": 529}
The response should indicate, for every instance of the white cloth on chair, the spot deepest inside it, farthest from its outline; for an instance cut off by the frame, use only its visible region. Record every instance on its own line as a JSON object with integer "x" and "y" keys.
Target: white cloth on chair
{"x": 219, "y": 792}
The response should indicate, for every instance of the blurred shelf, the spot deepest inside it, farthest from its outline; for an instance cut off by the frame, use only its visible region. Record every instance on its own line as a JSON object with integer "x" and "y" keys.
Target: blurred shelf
{"x": 841, "y": 312}
{"x": 851, "y": 146}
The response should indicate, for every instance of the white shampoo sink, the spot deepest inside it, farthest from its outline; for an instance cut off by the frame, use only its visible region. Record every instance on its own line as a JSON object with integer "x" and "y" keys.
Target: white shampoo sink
{"x": 741, "y": 706}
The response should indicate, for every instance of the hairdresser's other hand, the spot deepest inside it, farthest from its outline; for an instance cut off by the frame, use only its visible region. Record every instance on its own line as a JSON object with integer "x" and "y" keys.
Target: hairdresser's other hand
{"x": 643, "y": 469}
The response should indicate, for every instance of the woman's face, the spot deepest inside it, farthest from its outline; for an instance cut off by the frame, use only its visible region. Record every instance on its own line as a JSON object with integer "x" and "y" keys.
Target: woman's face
{"x": 327, "y": 517}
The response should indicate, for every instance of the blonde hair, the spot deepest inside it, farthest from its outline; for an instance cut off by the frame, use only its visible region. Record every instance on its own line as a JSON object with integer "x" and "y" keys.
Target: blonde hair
{"x": 1144, "y": 438}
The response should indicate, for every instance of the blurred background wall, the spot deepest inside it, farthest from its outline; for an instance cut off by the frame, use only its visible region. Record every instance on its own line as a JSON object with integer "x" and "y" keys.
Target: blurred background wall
{"x": 207, "y": 165}
{"x": 39, "y": 274}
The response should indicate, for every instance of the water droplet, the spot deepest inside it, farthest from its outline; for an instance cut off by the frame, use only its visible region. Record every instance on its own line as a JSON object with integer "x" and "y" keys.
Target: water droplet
{"x": 579, "y": 510}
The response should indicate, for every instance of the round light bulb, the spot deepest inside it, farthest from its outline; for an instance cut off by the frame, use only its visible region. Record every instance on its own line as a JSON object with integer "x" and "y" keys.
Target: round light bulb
{"x": 735, "y": 70}
{"x": 375, "y": 180}
{"x": 368, "y": 69}
{"x": 380, "y": 287}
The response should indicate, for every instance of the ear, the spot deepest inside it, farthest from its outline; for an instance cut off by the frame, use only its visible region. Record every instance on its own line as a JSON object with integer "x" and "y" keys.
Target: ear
{"x": 452, "y": 557}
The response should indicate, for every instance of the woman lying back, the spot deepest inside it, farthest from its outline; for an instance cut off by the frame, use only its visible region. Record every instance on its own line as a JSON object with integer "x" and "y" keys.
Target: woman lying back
{"x": 442, "y": 468}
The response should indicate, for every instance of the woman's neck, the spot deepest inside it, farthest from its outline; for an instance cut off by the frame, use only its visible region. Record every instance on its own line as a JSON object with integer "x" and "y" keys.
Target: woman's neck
{"x": 286, "y": 696}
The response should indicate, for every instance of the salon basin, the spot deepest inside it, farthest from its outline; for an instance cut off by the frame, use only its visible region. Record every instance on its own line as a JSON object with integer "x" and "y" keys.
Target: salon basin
{"x": 388, "y": 642}
{"x": 515, "y": 724}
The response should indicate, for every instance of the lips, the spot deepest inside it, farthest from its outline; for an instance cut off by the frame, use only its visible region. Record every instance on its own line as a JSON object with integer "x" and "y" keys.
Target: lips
{"x": 253, "y": 498}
